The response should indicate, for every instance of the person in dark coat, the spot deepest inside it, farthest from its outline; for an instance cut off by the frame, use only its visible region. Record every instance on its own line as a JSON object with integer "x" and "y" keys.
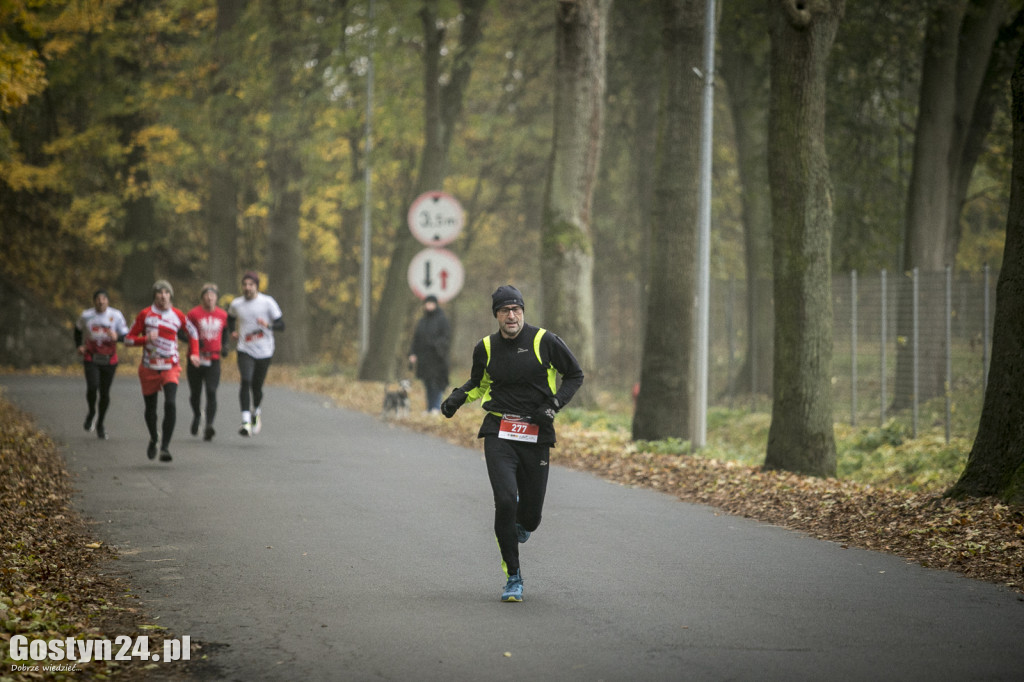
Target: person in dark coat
{"x": 429, "y": 352}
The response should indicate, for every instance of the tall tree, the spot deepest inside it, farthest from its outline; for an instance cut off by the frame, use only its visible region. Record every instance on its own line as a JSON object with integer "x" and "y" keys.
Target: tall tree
{"x": 995, "y": 466}
{"x": 141, "y": 232}
{"x": 443, "y": 101}
{"x": 801, "y": 436}
{"x": 224, "y": 112}
{"x": 625, "y": 188}
{"x": 744, "y": 66}
{"x": 286, "y": 264}
{"x": 959, "y": 42}
{"x": 664, "y": 402}
{"x": 567, "y": 252}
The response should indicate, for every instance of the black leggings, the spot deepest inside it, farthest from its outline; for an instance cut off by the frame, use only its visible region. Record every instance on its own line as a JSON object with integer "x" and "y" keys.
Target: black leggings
{"x": 252, "y": 372}
{"x": 98, "y": 379}
{"x": 519, "y": 480}
{"x": 170, "y": 414}
{"x": 197, "y": 376}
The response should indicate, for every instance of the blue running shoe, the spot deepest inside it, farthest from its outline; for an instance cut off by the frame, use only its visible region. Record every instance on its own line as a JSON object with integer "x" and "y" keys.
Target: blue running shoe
{"x": 513, "y": 588}
{"x": 522, "y": 534}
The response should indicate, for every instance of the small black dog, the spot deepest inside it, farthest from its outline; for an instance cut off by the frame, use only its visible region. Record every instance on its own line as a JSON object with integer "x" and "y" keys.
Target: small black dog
{"x": 396, "y": 403}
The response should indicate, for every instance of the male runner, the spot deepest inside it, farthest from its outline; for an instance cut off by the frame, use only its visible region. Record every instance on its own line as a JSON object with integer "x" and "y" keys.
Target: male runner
{"x": 514, "y": 376}
{"x": 97, "y": 332}
{"x": 253, "y": 318}
{"x": 157, "y": 329}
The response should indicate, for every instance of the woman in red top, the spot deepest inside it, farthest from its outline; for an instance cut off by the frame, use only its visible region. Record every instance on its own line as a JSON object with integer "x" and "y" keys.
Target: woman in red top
{"x": 157, "y": 329}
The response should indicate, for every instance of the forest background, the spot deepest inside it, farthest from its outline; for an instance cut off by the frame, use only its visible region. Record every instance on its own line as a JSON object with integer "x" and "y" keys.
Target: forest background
{"x": 196, "y": 140}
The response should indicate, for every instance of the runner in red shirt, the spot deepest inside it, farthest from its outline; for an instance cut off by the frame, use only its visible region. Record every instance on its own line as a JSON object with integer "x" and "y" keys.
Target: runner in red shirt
{"x": 157, "y": 329}
{"x": 212, "y": 323}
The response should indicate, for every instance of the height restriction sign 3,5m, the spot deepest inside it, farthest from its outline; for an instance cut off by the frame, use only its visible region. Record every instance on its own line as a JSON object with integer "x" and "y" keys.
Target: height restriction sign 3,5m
{"x": 435, "y": 218}
{"x": 436, "y": 272}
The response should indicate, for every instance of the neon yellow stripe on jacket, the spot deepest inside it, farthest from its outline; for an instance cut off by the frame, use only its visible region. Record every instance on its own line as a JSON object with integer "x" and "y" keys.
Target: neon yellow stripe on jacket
{"x": 483, "y": 391}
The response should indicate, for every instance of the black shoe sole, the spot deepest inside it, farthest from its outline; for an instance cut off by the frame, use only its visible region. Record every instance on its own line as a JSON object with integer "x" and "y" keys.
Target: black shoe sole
{"x": 165, "y": 456}
{"x": 209, "y": 433}
{"x": 151, "y": 451}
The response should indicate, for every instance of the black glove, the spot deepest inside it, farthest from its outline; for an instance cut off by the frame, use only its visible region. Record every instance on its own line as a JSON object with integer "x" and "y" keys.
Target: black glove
{"x": 545, "y": 414}
{"x": 453, "y": 402}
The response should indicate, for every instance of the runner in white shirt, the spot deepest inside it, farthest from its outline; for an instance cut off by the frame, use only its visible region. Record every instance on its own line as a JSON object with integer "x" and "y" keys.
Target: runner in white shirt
{"x": 97, "y": 332}
{"x": 253, "y": 318}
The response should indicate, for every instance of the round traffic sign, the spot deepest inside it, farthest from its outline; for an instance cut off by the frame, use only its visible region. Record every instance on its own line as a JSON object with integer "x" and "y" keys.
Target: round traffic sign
{"x": 436, "y": 272}
{"x": 435, "y": 218}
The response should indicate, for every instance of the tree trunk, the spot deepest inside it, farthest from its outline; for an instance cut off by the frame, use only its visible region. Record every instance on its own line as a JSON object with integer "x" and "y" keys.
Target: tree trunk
{"x": 744, "y": 66}
{"x": 958, "y": 43}
{"x": 567, "y": 252}
{"x": 801, "y": 438}
{"x": 664, "y": 401}
{"x": 978, "y": 123}
{"x": 286, "y": 263}
{"x": 995, "y": 466}
{"x": 222, "y": 198}
{"x": 140, "y": 229}
{"x": 442, "y": 109}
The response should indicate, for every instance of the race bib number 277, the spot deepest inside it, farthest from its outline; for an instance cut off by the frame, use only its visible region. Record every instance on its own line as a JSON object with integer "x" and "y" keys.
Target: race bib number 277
{"x": 516, "y": 428}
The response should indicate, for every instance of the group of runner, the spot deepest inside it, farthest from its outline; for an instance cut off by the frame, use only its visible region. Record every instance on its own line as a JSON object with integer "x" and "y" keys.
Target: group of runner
{"x": 515, "y": 376}
{"x": 250, "y": 320}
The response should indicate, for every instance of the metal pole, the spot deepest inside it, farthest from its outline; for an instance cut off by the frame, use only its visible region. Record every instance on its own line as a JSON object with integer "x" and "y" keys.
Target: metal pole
{"x": 704, "y": 240}
{"x": 367, "y": 264}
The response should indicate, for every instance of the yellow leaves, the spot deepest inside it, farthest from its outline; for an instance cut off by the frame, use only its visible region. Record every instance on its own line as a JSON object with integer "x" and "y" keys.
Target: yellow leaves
{"x": 53, "y": 28}
{"x": 256, "y": 211}
{"x": 23, "y": 177}
{"x": 180, "y": 199}
{"x": 77, "y": 18}
{"x": 89, "y": 219}
{"x": 155, "y": 136}
{"x": 22, "y": 75}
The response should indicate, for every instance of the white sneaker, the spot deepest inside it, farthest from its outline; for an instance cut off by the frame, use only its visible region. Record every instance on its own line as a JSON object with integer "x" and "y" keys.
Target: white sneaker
{"x": 257, "y": 423}
{"x": 246, "y": 429}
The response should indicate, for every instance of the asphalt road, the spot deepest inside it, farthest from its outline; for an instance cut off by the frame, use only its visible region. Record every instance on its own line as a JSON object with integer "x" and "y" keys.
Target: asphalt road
{"x": 336, "y": 547}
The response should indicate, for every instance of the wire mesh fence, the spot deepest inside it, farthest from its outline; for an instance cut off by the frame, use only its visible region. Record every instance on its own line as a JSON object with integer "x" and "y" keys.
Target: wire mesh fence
{"x": 901, "y": 343}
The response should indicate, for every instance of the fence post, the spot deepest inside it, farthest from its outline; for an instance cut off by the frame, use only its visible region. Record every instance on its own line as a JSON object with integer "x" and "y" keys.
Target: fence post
{"x": 914, "y": 347}
{"x": 731, "y": 336}
{"x": 984, "y": 337}
{"x": 853, "y": 347}
{"x": 949, "y": 349}
{"x": 885, "y": 322}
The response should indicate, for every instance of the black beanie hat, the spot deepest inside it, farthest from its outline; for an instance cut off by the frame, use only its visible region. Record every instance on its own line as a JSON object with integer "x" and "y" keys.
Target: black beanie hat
{"x": 506, "y": 295}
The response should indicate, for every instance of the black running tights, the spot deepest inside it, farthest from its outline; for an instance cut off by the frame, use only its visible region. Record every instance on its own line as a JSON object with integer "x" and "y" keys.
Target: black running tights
{"x": 98, "y": 379}
{"x": 252, "y": 372}
{"x": 197, "y": 377}
{"x": 519, "y": 480}
{"x": 170, "y": 414}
